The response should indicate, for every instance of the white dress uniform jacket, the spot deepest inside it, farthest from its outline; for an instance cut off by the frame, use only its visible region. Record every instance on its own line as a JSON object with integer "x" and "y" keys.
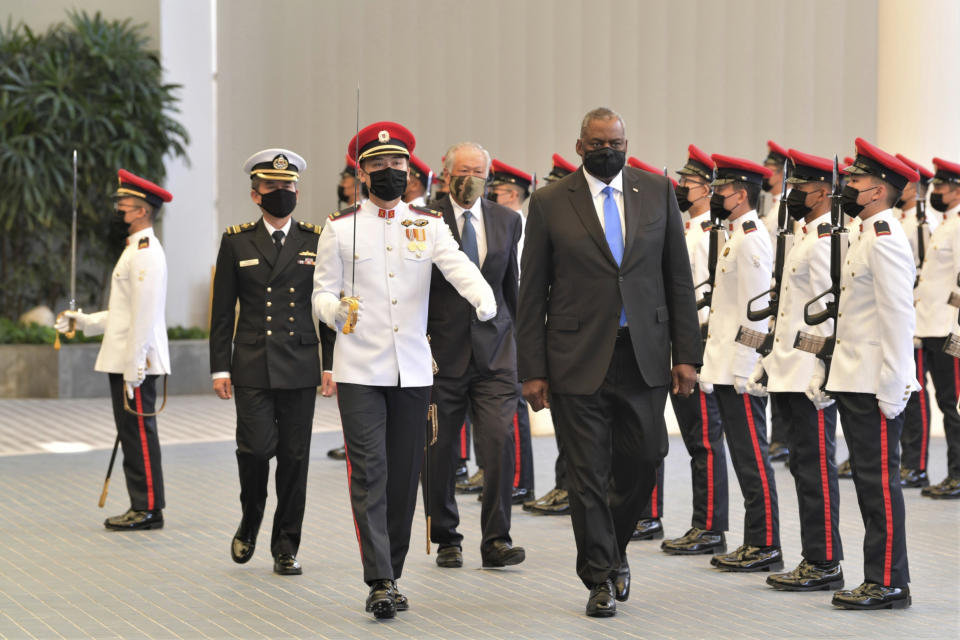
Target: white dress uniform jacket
{"x": 744, "y": 269}
{"x": 133, "y": 326}
{"x": 697, "y": 235}
{"x": 393, "y": 281}
{"x": 908, "y": 220}
{"x": 806, "y": 274}
{"x": 938, "y": 279}
{"x": 876, "y": 320}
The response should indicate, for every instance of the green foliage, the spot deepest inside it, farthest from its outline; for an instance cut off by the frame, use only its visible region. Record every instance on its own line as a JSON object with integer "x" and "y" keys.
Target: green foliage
{"x": 90, "y": 85}
{"x": 14, "y": 333}
{"x": 187, "y": 333}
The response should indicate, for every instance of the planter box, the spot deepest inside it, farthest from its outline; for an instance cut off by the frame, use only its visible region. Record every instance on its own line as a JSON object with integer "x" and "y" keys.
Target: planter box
{"x": 38, "y": 371}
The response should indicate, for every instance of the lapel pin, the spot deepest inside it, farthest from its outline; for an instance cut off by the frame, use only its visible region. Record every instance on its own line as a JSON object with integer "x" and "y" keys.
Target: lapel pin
{"x": 637, "y": 190}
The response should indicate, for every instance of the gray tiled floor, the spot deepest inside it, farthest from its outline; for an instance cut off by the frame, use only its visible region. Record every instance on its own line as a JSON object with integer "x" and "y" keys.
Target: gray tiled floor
{"x": 63, "y": 575}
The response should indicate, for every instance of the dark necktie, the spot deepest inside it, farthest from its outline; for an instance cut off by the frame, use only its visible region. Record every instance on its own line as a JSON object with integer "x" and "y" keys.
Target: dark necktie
{"x": 469, "y": 239}
{"x": 278, "y": 240}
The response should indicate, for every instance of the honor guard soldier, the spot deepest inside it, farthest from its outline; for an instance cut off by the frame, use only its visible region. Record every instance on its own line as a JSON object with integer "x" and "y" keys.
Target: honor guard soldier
{"x": 271, "y": 360}
{"x": 383, "y": 252}
{"x": 785, "y": 372}
{"x": 348, "y": 191}
{"x": 936, "y": 317}
{"x": 420, "y": 177}
{"x": 698, "y": 415}
{"x": 871, "y": 375}
{"x": 134, "y": 351}
{"x": 744, "y": 270}
{"x": 561, "y": 168}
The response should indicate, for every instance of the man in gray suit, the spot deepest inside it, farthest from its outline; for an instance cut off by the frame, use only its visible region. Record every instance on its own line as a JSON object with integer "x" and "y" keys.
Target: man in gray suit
{"x": 606, "y": 299}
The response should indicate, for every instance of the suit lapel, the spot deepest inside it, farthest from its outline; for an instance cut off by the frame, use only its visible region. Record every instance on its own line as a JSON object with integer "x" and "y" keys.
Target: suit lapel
{"x": 632, "y": 208}
{"x": 264, "y": 244}
{"x": 290, "y": 247}
{"x": 450, "y": 219}
{"x": 492, "y": 231}
{"x": 583, "y": 205}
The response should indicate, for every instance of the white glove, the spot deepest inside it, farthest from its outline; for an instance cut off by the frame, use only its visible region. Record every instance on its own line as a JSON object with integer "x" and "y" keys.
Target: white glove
{"x": 754, "y": 386}
{"x": 706, "y": 387}
{"x": 814, "y": 393}
{"x": 130, "y": 385}
{"x": 889, "y": 409}
{"x": 63, "y": 320}
{"x": 917, "y": 343}
{"x": 485, "y": 314}
{"x": 343, "y": 312}
{"x": 740, "y": 384}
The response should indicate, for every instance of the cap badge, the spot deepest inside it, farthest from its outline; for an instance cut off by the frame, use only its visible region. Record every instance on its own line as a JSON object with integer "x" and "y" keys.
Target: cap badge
{"x": 383, "y": 136}
{"x": 280, "y": 162}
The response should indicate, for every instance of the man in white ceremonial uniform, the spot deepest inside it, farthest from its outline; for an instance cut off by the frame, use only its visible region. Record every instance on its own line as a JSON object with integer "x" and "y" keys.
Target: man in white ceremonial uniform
{"x": 134, "y": 351}
{"x": 382, "y": 361}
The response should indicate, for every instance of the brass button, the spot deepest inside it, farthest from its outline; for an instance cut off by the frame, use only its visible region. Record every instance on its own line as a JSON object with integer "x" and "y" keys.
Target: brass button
{"x": 269, "y": 318}
{"x": 291, "y": 304}
{"x": 290, "y": 318}
{"x": 395, "y": 329}
{"x": 269, "y": 333}
{"x": 389, "y": 247}
{"x": 291, "y": 333}
{"x": 356, "y": 256}
{"x": 269, "y": 290}
{"x": 394, "y": 301}
{"x": 390, "y": 274}
{"x": 269, "y": 304}
{"x": 292, "y": 289}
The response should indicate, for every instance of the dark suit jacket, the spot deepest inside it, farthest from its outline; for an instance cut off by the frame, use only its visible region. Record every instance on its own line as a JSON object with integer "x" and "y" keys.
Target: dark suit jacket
{"x": 455, "y": 332}
{"x": 572, "y": 290}
{"x": 274, "y": 294}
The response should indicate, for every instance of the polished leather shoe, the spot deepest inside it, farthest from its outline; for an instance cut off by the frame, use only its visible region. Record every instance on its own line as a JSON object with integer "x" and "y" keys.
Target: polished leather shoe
{"x": 286, "y": 564}
{"x": 845, "y": 470}
{"x": 382, "y": 600}
{"x": 399, "y": 600}
{"x": 243, "y": 545}
{"x": 621, "y": 583}
{"x": 809, "y": 577}
{"x": 949, "y": 489}
{"x": 914, "y": 478}
{"x": 601, "y": 603}
{"x": 647, "y": 529}
{"x": 748, "y": 558}
{"x": 520, "y": 495}
{"x": 461, "y": 472}
{"x": 502, "y": 554}
{"x": 337, "y": 453}
{"x": 553, "y": 502}
{"x": 779, "y": 452}
{"x": 873, "y": 596}
{"x": 473, "y": 484}
{"x": 135, "y": 520}
{"x": 694, "y": 542}
{"x": 449, "y": 557}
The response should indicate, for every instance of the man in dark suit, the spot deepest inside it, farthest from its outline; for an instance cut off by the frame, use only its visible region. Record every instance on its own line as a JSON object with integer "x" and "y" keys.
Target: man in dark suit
{"x": 274, "y": 363}
{"x": 606, "y": 299}
{"x": 477, "y": 363}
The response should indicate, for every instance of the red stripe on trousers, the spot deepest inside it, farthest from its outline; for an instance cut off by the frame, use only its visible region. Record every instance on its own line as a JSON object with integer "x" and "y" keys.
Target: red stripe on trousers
{"x": 887, "y": 509}
{"x": 147, "y": 468}
{"x": 653, "y": 499}
{"x": 356, "y": 527}
{"x": 516, "y": 451}
{"x": 706, "y": 444}
{"x": 924, "y": 441}
{"x": 825, "y": 487}
{"x": 463, "y": 441}
{"x": 768, "y": 512}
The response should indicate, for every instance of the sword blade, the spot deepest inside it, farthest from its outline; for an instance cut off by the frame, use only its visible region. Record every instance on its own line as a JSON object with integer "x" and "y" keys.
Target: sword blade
{"x": 73, "y": 240}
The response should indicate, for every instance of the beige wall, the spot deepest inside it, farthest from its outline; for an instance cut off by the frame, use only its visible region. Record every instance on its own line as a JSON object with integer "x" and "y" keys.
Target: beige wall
{"x": 517, "y": 76}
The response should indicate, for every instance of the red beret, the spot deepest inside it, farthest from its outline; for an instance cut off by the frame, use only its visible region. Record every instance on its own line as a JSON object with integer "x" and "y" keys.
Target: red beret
{"x": 946, "y": 171}
{"x": 874, "y": 161}
{"x": 925, "y": 174}
{"x": 809, "y": 168}
{"x": 699, "y": 163}
{"x": 505, "y": 174}
{"x": 847, "y": 160}
{"x": 730, "y": 169}
{"x": 350, "y": 168}
{"x": 636, "y": 163}
{"x": 419, "y": 169}
{"x": 132, "y": 185}
{"x": 777, "y": 154}
{"x": 381, "y": 138}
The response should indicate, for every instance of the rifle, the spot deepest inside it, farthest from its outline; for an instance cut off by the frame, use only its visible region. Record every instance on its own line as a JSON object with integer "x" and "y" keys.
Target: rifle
{"x": 716, "y": 232}
{"x": 820, "y": 346}
{"x": 923, "y": 229}
{"x": 763, "y": 342}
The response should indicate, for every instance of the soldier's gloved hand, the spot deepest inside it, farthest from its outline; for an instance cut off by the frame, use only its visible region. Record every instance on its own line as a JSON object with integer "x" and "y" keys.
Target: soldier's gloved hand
{"x": 130, "y": 385}
{"x": 484, "y": 313}
{"x": 917, "y": 343}
{"x": 706, "y": 387}
{"x": 754, "y": 385}
{"x": 740, "y": 384}
{"x": 63, "y": 320}
{"x": 343, "y": 312}
{"x": 891, "y": 410}
{"x": 814, "y": 392}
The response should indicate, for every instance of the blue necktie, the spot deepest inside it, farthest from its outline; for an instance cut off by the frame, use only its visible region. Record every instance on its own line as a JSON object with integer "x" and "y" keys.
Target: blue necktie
{"x": 469, "y": 239}
{"x": 611, "y": 228}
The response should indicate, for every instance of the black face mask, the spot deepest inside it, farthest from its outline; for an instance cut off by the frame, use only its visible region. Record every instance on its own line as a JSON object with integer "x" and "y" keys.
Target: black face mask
{"x": 279, "y": 203}
{"x": 797, "y": 204}
{"x": 604, "y": 163}
{"x": 492, "y": 196}
{"x": 118, "y": 226}
{"x": 388, "y": 184}
{"x": 848, "y": 201}
{"x": 341, "y": 194}
{"x": 683, "y": 200}
{"x": 899, "y": 203}
{"x": 936, "y": 201}
{"x": 717, "y": 203}
{"x": 766, "y": 185}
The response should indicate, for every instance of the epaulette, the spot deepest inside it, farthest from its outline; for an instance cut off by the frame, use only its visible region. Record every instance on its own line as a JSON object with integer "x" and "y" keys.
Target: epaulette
{"x": 238, "y": 228}
{"x": 881, "y": 227}
{"x": 426, "y": 211}
{"x": 143, "y": 243}
{"x": 749, "y": 226}
{"x": 824, "y": 229}
{"x": 309, "y": 227}
{"x": 343, "y": 213}
{"x": 706, "y": 225}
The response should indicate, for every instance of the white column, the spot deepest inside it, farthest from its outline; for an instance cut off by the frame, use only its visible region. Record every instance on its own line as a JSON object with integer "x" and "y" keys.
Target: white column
{"x": 190, "y": 223}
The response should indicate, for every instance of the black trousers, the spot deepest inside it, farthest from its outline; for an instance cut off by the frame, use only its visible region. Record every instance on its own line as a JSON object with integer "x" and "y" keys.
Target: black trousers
{"x": 945, "y": 371}
{"x": 523, "y": 447}
{"x": 744, "y": 423}
{"x": 654, "y": 508}
{"x": 780, "y": 419}
{"x": 384, "y": 430}
{"x": 698, "y": 417}
{"x": 611, "y": 462}
{"x": 874, "y": 444}
{"x": 492, "y": 403}
{"x": 140, "y": 443}
{"x": 812, "y": 439}
{"x": 274, "y": 422}
{"x": 915, "y": 441}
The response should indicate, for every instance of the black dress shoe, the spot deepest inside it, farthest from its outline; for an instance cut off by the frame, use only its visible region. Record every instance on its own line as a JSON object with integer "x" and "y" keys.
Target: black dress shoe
{"x": 873, "y": 596}
{"x": 449, "y": 557}
{"x": 949, "y": 489}
{"x": 461, "y": 472}
{"x": 779, "y": 452}
{"x": 135, "y": 520}
{"x": 382, "y": 599}
{"x": 338, "y": 453}
{"x": 845, "y": 470}
{"x": 520, "y": 495}
{"x": 243, "y": 545}
{"x": 474, "y": 484}
{"x": 621, "y": 583}
{"x": 914, "y": 478}
{"x": 400, "y": 600}
{"x": 648, "y": 529}
{"x": 601, "y": 603}
{"x": 555, "y": 503}
{"x": 809, "y": 577}
{"x": 502, "y": 554}
{"x": 695, "y": 541}
{"x": 286, "y": 564}
{"x": 748, "y": 558}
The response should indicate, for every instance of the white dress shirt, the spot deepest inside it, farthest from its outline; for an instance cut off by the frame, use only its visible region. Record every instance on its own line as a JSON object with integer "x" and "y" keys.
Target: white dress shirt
{"x": 596, "y": 191}
{"x": 285, "y": 228}
{"x": 476, "y": 218}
